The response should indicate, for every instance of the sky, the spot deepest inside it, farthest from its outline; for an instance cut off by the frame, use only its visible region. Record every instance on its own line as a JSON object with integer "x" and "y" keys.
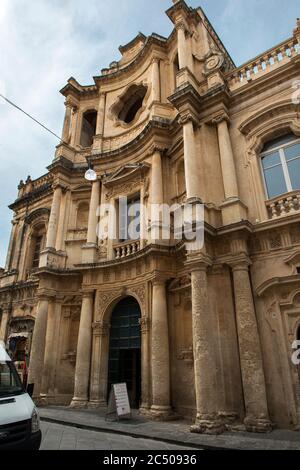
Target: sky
{"x": 45, "y": 42}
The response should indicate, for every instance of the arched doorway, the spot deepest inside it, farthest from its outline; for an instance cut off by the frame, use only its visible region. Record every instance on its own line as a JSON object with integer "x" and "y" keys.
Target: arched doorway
{"x": 124, "y": 363}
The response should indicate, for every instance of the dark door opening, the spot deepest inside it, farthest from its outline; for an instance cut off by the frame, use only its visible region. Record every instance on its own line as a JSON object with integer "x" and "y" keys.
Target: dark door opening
{"x": 125, "y": 349}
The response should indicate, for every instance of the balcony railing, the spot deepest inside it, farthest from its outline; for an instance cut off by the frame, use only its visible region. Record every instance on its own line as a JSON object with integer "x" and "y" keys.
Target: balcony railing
{"x": 126, "y": 249}
{"x": 263, "y": 64}
{"x": 283, "y": 205}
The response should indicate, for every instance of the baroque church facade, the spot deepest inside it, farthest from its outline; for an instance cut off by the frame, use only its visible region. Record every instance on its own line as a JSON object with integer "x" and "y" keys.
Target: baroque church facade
{"x": 206, "y": 335}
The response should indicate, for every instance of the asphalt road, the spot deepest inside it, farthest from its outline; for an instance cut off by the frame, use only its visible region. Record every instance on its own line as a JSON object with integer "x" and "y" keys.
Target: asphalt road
{"x": 59, "y": 437}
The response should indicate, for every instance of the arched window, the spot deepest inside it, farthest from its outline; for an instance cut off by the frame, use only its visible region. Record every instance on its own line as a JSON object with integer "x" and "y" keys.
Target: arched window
{"x": 133, "y": 102}
{"x": 36, "y": 245}
{"x": 88, "y": 128}
{"x": 280, "y": 160}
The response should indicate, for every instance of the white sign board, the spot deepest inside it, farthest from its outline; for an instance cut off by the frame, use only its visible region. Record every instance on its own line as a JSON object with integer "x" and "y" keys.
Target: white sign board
{"x": 118, "y": 401}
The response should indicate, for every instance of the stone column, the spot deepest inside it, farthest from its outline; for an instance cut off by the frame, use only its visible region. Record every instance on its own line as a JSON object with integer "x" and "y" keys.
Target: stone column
{"x": 16, "y": 255}
{"x": 157, "y": 197}
{"x": 227, "y": 159}
{"x": 38, "y": 346}
{"x": 74, "y": 121}
{"x": 54, "y": 216}
{"x": 67, "y": 123}
{"x": 257, "y": 418}
{"x": 160, "y": 352}
{"x": 99, "y": 365}
{"x": 93, "y": 218}
{"x": 4, "y": 324}
{"x": 207, "y": 402}
{"x": 145, "y": 365}
{"x": 89, "y": 250}
{"x": 84, "y": 350}
{"x": 49, "y": 352}
{"x": 191, "y": 162}
{"x": 155, "y": 79}
{"x": 98, "y": 138}
{"x": 61, "y": 223}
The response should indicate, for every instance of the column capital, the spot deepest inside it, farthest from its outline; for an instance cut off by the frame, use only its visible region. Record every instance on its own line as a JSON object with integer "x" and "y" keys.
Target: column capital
{"x": 155, "y": 60}
{"x": 59, "y": 185}
{"x": 69, "y": 103}
{"x": 87, "y": 294}
{"x": 200, "y": 262}
{"x": 156, "y": 149}
{"x": 187, "y": 117}
{"x": 45, "y": 294}
{"x": 181, "y": 25}
{"x": 239, "y": 263}
{"x": 159, "y": 282}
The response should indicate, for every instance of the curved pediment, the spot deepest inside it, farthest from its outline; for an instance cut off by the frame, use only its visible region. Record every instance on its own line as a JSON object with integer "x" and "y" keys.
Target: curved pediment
{"x": 126, "y": 173}
{"x": 36, "y": 214}
{"x": 268, "y": 113}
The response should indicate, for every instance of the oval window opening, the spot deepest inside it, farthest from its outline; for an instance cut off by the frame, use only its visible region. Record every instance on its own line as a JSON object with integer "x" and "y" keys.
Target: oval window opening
{"x": 132, "y": 103}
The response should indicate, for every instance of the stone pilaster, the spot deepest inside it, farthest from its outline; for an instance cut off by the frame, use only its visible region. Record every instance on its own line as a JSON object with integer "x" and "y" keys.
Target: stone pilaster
{"x": 11, "y": 244}
{"x": 185, "y": 58}
{"x": 89, "y": 251}
{"x": 233, "y": 210}
{"x": 160, "y": 363}
{"x": 191, "y": 161}
{"x": 155, "y": 80}
{"x": 49, "y": 352}
{"x": 257, "y": 418}
{"x": 66, "y": 134}
{"x": 4, "y": 323}
{"x": 145, "y": 365}
{"x": 157, "y": 197}
{"x": 84, "y": 350}
{"x": 38, "y": 346}
{"x": 207, "y": 402}
{"x": 54, "y": 218}
{"x": 226, "y": 156}
{"x": 98, "y": 139}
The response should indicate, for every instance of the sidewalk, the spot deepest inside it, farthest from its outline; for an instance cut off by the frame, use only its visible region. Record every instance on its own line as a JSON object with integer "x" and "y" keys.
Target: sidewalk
{"x": 174, "y": 432}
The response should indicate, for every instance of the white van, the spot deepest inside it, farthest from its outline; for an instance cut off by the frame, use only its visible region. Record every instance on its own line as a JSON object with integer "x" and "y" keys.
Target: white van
{"x": 19, "y": 419}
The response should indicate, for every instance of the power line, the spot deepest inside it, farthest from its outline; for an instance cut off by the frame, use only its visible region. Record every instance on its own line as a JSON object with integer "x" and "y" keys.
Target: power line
{"x": 31, "y": 117}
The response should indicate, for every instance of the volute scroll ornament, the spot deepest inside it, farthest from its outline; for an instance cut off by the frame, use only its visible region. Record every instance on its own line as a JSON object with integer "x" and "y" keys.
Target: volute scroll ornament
{"x": 214, "y": 61}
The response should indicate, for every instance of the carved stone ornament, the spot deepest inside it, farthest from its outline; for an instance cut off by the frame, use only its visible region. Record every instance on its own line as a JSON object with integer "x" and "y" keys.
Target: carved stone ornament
{"x": 214, "y": 61}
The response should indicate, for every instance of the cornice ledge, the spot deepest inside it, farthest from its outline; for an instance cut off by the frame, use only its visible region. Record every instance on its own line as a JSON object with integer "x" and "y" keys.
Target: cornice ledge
{"x": 183, "y": 93}
{"x": 243, "y": 225}
{"x": 155, "y": 123}
{"x": 60, "y": 162}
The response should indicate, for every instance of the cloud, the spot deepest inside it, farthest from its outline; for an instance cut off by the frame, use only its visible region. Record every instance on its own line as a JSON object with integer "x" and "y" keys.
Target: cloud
{"x": 44, "y": 42}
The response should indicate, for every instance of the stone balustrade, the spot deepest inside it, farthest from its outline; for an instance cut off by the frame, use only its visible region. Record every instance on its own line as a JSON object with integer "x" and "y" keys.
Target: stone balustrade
{"x": 263, "y": 64}
{"x": 126, "y": 249}
{"x": 283, "y": 205}
{"x": 34, "y": 185}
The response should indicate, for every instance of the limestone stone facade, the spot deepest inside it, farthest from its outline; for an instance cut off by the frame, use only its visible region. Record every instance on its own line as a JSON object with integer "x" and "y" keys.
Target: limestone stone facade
{"x": 173, "y": 121}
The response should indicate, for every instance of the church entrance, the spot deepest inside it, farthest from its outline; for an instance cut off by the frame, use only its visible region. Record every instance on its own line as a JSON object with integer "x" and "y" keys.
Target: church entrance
{"x": 125, "y": 349}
